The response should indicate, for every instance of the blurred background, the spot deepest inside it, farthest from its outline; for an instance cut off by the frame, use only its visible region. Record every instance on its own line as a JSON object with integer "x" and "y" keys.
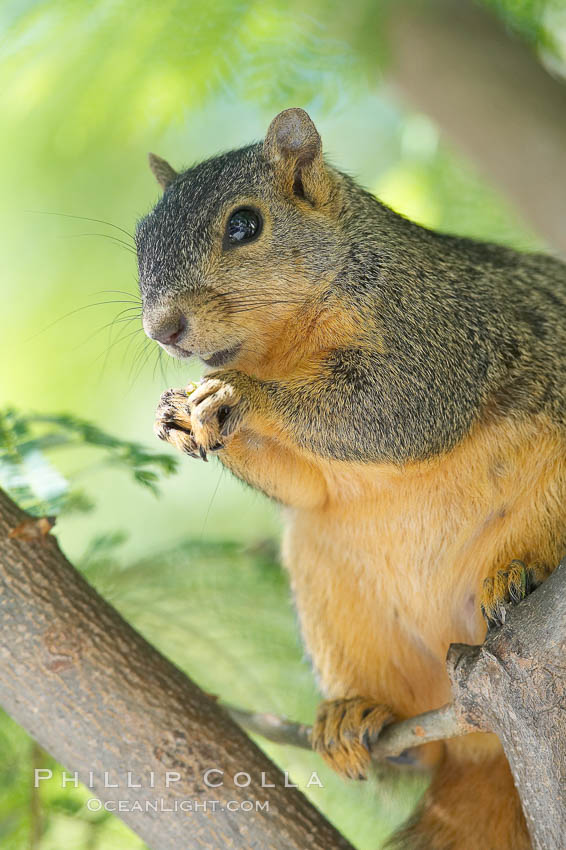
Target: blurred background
{"x": 452, "y": 112}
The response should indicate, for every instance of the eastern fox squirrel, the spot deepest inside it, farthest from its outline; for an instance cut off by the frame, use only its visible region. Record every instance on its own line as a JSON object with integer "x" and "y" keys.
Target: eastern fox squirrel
{"x": 403, "y": 393}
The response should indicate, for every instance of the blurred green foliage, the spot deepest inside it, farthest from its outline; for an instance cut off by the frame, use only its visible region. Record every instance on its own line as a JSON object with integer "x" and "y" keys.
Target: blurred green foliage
{"x": 34, "y": 482}
{"x": 537, "y": 22}
{"x": 222, "y": 611}
{"x": 86, "y": 90}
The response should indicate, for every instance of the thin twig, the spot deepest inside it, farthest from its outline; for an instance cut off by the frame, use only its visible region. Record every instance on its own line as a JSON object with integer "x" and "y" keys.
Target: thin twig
{"x": 436, "y": 725}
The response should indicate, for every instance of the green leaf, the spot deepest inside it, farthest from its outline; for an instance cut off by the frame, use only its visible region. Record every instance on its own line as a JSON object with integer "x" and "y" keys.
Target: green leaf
{"x": 34, "y": 480}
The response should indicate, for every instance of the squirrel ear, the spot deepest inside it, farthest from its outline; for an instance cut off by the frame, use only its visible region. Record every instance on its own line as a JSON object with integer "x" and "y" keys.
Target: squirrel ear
{"x": 293, "y": 146}
{"x": 163, "y": 172}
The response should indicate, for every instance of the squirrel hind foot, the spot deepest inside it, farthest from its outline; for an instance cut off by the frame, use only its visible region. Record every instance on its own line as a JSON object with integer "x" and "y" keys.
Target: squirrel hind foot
{"x": 343, "y": 730}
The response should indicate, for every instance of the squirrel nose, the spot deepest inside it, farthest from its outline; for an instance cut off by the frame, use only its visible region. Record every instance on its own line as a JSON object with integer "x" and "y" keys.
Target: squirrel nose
{"x": 169, "y": 331}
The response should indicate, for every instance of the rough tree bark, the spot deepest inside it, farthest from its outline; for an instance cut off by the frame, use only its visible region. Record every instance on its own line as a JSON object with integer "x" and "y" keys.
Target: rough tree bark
{"x": 100, "y": 699}
{"x": 515, "y": 685}
{"x": 97, "y": 696}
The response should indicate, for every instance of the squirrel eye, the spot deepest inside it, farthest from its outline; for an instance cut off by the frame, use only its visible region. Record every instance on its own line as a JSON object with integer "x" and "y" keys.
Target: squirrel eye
{"x": 243, "y": 226}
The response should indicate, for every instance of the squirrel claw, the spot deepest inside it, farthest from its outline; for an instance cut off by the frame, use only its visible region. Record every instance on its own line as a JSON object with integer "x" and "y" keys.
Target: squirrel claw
{"x": 172, "y": 422}
{"x": 174, "y": 425}
{"x": 216, "y": 411}
{"x": 508, "y": 587}
{"x": 342, "y": 732}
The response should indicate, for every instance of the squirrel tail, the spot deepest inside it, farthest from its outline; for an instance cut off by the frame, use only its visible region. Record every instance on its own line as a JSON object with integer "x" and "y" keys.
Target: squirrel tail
{"x": 470, "y": 805}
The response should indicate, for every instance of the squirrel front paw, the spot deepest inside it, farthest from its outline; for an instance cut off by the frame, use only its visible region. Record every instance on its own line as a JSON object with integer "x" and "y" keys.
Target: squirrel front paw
{"x": 508, "y": 587}
{"x": 173, "y": 421}
{"x": 342, "y": 731}
{"x": 217, "y": 411}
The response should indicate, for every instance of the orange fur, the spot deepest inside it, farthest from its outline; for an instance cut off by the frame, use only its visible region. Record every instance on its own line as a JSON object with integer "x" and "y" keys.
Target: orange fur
{"x": 463, "y": 790}
{"x": 346, "y": 328}
{"x": 387, "y": 565}
{"x": 387, "y": 572}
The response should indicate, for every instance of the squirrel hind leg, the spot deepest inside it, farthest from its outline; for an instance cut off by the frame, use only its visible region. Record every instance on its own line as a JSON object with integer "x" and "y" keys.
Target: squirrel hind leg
{"x": 468, "y": 806}
{"x": 508, "y": 587}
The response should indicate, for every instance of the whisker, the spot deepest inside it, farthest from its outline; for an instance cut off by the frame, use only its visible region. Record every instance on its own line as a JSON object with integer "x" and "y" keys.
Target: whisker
{"x": 157, "y": 361}
{"x": 119, "y": 242}
{"x": 108, "y": 349}
{"x": 263, "y": 292}
{"x": 106, "y": 352}
{"x": 77, "y": 310}
{"x": 82, "y": 218}
{"x": 136, "y": 360}
{"x": 249, "y": 308}
{"x": 212, "y": 498}
{"x": 162, "y": 368}
{"x": 140, "y": 339}
{"x": 117, "y": 292}
{"x": 143, "y": 362}
{"x": 117, "y": 320}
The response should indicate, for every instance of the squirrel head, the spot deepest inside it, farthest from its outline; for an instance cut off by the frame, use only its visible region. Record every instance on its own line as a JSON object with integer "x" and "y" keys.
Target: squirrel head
{"x": 241, "y": 246}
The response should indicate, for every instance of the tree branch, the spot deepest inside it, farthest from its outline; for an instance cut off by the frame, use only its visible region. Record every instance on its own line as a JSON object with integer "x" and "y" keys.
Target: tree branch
{"x": 436, "y": 725}
{"x": 515, "y": 685}
{"x": 101, "y": 700}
